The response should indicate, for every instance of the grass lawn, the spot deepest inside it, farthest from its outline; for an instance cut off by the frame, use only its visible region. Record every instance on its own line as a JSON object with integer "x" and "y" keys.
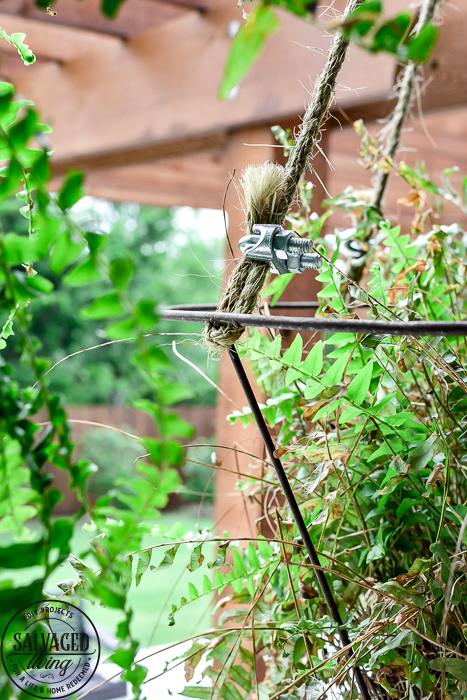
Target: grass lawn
{"x": 152, "y": 599}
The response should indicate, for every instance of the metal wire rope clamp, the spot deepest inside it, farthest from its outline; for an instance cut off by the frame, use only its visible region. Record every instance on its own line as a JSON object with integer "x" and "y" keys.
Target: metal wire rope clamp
{"x": 282, "y": 250}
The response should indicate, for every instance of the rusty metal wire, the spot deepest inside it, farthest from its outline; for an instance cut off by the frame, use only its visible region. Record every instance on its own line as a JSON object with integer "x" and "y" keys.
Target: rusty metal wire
{"x": 202, "y": 313}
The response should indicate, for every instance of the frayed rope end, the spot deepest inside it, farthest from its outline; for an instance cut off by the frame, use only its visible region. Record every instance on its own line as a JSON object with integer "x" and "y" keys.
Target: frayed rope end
{"x": 263, "y": 187}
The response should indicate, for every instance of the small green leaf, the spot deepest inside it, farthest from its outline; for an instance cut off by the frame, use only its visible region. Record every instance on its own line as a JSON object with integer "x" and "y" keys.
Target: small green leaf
{"x": 250, "y": 584}
{"x": 7, "y": 329}
{"x": 359, "y": 22}
{"x": 265, "y": 549}
{"x": 124, "y": 657}
{"x": 441, "y": 552}
{"x": 391, "y": 33}
{"x": 135, "y": 676}
{"x": 6, "y": 93}
{"x": 22, "y": 555}
{"x": 239, "y": 566}
{"x": 293, "y": 356}
{"x": 39, "y": 284}
{"x": 173, "y": 453}
{"x": 173, "y": 392}
{"x": 78, "y": 564}
{"x": 371, "y": 341}
{"x": 420, "y": 456}
{"x": 457, "y": 667}
{"x": 366, "y": 7}
{"x": 64, "y": 252}
{"x": 95, "y": 241}
{"x": 420, "y": 47}
{"x": 334, "y": 374}
{"x": 120, "y": 272}
{"x": 71, "y": 190}
{"x": 292, "y": 375}
{"x": 405, "y": 594}
{"x": 418, "y": 567}
{"x": 317, "y": 476}
{"x": 195, "y": 691}
{"x": 19, "y": 249}
{"x": 144, "y": 559}
{"x": 192, "y": 590}
{"x": 153, "y": 359}
{"x": 65, "y": 585}
{"x": 117, "y": 330}
{"x": 172, "y": 425}
{"x": 274, "y": 349}
{"x": 298, "y": 7}
{"x": 376, "y": 552}
{"x": 17, "y": 39}
{"x": 313, "y": 363}
{"x": 171, "y": 617}
{"x": 105, "y": 307}
{"x": 196, "y": 558}
{"x": 168, "y": 559}
{"x": 247, "y": 45}
{"x": 253, "y": 557}
{"x": 110, "y": 8}
{"x": 358, "y": 387}
{"x": 84, "y": 273}
{"x": 410, "y": 359}
{"x": 219, "y": 580}
{"x": 405, "y": 505}
{"x": 221, "y": 554}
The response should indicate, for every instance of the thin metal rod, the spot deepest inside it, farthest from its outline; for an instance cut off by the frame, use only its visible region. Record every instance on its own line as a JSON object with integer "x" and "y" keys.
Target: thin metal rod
{"x": 277, "y": 305}
{"x": 295, "y": 510}
{"x": 323, "y": 325}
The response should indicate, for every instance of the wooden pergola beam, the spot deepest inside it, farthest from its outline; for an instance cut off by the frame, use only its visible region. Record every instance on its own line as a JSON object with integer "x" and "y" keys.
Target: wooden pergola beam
{"x": 201, "y": 5}
{"x": 133, "y": 17}
{"x": 51, "y": 41}
{"x": 196, "y": 180}
{"x": 156, "y": 94}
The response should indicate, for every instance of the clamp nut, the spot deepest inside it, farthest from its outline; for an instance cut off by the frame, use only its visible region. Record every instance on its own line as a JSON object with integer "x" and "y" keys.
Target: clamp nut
{"x": 282, "y": 250}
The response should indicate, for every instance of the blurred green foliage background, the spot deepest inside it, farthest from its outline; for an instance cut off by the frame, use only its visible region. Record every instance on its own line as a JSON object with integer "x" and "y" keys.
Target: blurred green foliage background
{"x": 176, "y": 261}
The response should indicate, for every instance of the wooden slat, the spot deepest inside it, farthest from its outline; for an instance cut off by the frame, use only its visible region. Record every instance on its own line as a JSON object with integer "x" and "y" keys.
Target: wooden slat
{"x": 194, "y": 4}
{"x": 446, "y": 72}
{"x": 197, "y": 180}
{"x": 145, "y": 153}
{"x": 51, "y": 41}
{"x": 135, "y": 16}
{"x": 12, "y": 67}
{"x": 154, "y": 96}
{"x": 134, "y": 102}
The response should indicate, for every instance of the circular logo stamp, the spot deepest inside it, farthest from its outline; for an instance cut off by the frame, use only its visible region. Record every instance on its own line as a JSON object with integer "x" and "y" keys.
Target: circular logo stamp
{"x": 50, "y": 649}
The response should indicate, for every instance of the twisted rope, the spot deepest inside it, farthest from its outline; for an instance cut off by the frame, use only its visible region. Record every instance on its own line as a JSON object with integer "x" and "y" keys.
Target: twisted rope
{"x": 263, "y": 186}
{"x": 411, "y": 71}
{"x": 427, "y": 12}
{"x": 244, "y": 286}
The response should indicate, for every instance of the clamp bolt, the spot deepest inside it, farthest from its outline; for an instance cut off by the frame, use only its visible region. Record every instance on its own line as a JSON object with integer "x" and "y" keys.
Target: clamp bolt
{"x": 283, "y": 250}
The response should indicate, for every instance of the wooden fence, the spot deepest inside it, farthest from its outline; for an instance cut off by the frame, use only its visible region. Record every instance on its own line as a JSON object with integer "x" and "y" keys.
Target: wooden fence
{"x": 131, "y": 420}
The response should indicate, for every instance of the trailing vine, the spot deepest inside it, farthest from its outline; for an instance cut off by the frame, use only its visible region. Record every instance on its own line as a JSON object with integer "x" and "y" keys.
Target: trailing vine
{"x": 371, "y": 429}
{"x": 32, "y": 535}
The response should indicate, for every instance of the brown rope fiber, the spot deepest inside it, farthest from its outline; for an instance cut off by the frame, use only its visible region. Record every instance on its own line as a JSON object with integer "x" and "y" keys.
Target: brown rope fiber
{"x": 263, "y": 187}
{"x": 269, "y": 192}
{"x": 401, "y": 110}
{"x": 427, "y": 12}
